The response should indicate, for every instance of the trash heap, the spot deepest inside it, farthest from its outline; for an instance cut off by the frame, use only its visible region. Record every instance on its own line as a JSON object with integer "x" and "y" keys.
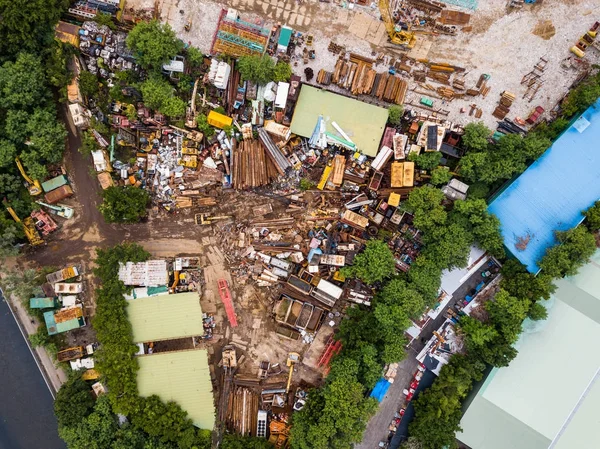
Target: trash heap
{"x": 104, "y": 50}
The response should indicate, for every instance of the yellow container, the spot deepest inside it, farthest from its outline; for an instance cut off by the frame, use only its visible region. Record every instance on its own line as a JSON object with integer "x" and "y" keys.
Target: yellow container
{"x": 577, "y": 52}
{"x": 218, "y": 120}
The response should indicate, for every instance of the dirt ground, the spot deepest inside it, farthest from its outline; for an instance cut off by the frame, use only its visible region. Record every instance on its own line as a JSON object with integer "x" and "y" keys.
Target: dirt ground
{"x": 505, "y": 44}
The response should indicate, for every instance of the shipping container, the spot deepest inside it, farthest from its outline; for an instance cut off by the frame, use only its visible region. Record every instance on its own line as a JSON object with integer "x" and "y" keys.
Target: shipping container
{"x": 54, "y": 183}
{"x": 59, "y": 194}
{"x": 218, "y": 120}
{"x": 62, "y": 275}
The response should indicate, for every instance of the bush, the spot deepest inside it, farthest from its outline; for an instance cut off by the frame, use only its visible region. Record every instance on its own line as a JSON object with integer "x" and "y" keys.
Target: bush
{"x": 374, "y": 264}
{"x": 124, "y": 204}
{"x": 395, "y": 114}
{"x": 306, "y": 184}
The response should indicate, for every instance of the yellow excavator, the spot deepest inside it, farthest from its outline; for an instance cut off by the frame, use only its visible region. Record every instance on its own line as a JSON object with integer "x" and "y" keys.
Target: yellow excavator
{"x": 404, "y": 38}
{"x": 33, "y": 186}
{"x": 28, "y": 227}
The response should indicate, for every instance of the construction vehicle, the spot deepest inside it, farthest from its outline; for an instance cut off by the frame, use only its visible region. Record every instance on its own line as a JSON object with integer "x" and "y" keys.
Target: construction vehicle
{"x": 398, "y": 37}
{"x": 43, "y": 222}
{"x": 58, "y": 209}
{"x": 28, "y": 227}
{"x": 73, "y": 353}
{"x": 190, "y": 119}
{"x": 33, "y": 186}
{"x": 293, "y": 358}
{"x": 207, "y": 219}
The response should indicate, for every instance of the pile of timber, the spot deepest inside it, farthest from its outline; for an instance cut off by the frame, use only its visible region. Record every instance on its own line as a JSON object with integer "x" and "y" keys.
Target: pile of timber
{"x": 324, "y": 77}
{"x": 389, "y": 88}
{"x": 251, "y": 167}
{"x": 242, "y": 411}
{"x": 506, "y": 101}
{"x": 277, "y": 223}
{"x": 280, "y": 162}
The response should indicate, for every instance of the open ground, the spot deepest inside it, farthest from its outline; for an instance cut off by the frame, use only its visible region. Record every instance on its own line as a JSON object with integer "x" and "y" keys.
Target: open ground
{"x": 505, "y": 44}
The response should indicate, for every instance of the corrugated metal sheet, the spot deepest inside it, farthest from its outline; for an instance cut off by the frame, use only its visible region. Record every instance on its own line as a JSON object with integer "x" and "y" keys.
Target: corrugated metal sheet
{"x": 182, "y": 377}
{"x": 364, "y": 123}
{"x": 152, "y": 273}
{"x": 550, "y": 195}
{"x": 165, "y": 317}
{"x": 54, "y": 183}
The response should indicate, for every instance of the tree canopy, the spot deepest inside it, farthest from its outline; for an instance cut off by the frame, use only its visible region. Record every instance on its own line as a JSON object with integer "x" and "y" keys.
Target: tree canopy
{"x": 28, "y": 25}
{"x": 426, "y": 161}
{"x": 153, "y": 44}
{"x": 258, "y": 69}
{"x": 374, "y": 264}
{"x": 574, "y": 249}
{"x": 124, "y": 204}
{"x": 592, "y": 217}
{"x": 159, "y": 95}
{"x": 395, "y": 112}
{"x": 282, "y": 71}
{"x": 476, "y": 136}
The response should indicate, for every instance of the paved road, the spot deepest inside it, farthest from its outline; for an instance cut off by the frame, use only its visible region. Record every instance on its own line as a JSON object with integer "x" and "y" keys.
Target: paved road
{"x": 26, "y": 415}
{"x": 377, "y": 429}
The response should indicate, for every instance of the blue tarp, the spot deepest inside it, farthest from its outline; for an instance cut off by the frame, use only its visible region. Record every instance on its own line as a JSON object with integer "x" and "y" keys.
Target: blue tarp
{"x": 551, "y": 194}
{"x": 380, "y": 389}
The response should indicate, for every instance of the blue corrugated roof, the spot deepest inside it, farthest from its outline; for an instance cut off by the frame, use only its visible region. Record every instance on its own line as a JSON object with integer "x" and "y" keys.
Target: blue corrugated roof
{"x": 551, "y": 194}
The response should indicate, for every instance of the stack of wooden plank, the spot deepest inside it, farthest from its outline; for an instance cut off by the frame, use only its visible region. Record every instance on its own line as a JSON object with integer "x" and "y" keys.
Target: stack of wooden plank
{"x": 251, "y": 168}
{"x": 391, "y": 88}
{"x": 324, "y": 77}
{"x": 506, "y": 101}
{"x": 242, "y": 410}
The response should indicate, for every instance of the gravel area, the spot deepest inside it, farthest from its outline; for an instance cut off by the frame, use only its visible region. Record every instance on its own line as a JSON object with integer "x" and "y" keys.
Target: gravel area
{"x": 505, "y": 44}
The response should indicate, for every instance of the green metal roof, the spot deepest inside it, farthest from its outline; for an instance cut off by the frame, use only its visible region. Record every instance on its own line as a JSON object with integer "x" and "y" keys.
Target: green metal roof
{"x": 550, "y": 392}
{"x": 54, "y": 183}
{"x": 183, "y": 377}
{"x": 363, "y": 123}
{"x": 42, "y": 303}
{"x": 165, "y": 317}
{"x": 285, "y": 34}
{"x": 57, "y": 328}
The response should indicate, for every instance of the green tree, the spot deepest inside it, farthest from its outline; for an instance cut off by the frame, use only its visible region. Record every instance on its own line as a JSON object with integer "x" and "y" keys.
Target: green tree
{"x": 153, "y": 44}
{"x": 105, "y": 19}
{"x": 195, "y": 58}
{"x": 158, "y": 94}
{"x": 438, "y": 409}
{"x": 74, "y": 401}
{"x": 399, "y": 293}
{"x": 335, "y": 416}
{"x": 507, "y": 314}
{"x": 518, "y": 282}
{"x": 448, "y": 246}
{"x": 282, "y": 71}
{"x": 582, "y": 97}
{"x": 425, "y": 276}
{"x": 476, "y": 332}
{"x": 28, "y": 25}
{"x": 8, "y": 151}
{"x": 425, "y": 204}
{"x": 476, "y": 136}
{"x": 484, "y": 226}
{"x": 23, "y": 83}
{"x": 203, "y": 126}
{"x": 592, "y": 217}
{"x": 427, "y": 160}
{"x": 242, "y": 442}
{"x": 372, "y": 265}
{"x": 124, "y": 205}
{"x": 395, "y": 112}
{"x": 574, "y": 249}
{"x": 46, "y": 136}
{"x": 88, "y": 84}
{"x": 478, "y": 191}
{"x": 258, "y": 69}
{"x": 15, "y": 128}
{"x": 537, "y": 312}
{"x": 440, "y": 175}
